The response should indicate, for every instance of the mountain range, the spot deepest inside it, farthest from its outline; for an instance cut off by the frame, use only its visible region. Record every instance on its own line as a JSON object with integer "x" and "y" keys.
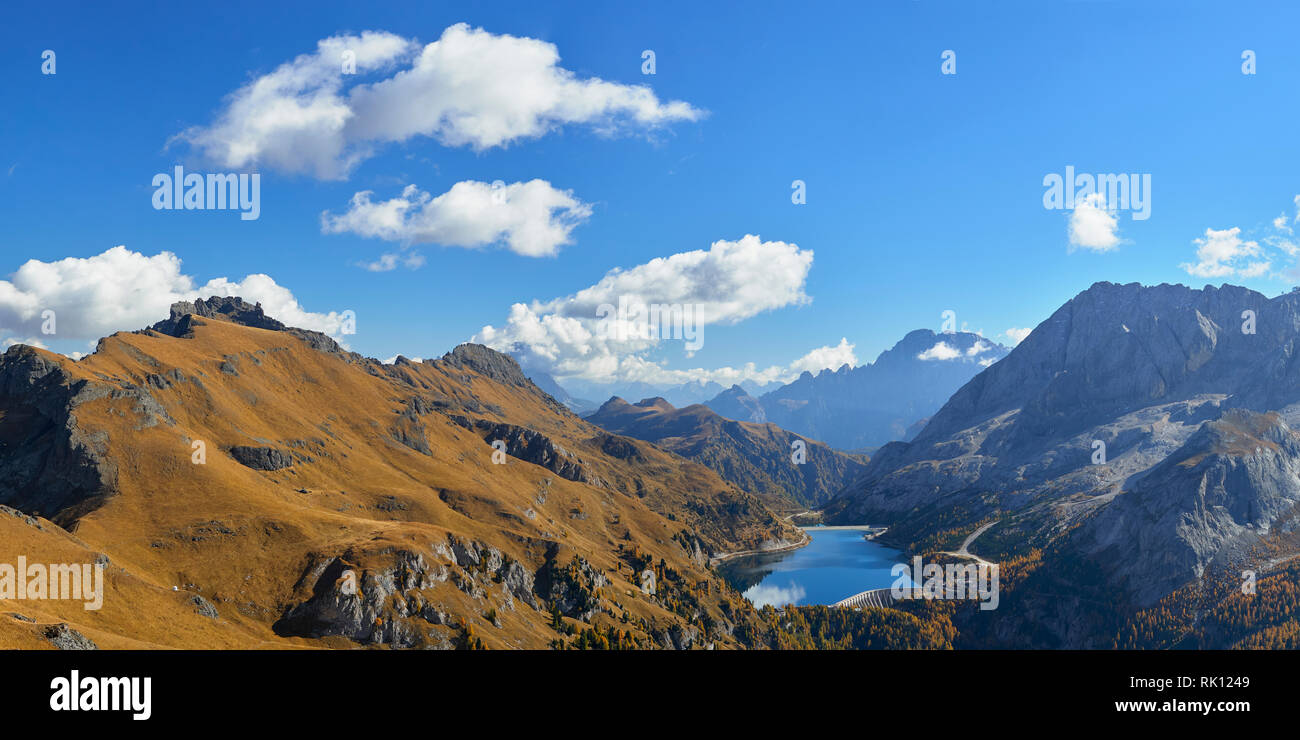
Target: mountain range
{"x": 573, "y": 392}
{"x": 760, "y": 458}
{"x": 1132, "y": 466}
{"x": 1140, "y": 435}
{"x": 246, "y": 484}
{"x": 856, "y": 408}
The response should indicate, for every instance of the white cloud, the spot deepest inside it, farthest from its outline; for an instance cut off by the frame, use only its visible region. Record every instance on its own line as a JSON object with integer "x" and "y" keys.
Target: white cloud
{"x": 1282, "y": 224}
{"x": 1017, "y": 335}
{"x": 393, "y": 359}
{"x": 1092, "y": 226}
{"x": 530, "y": 218}
{"x": 826, "y": 357}
{"x": 8, "y": 342}
{"x": 295, "y": 118}
{"x": 730, "y": 282}
{"x": 1223, "y": 253}
{"x": 390, "y": 260}
{"x": 119, "y": 290}
{"x": 940, "y": 351}
{"x": 469, "y": 88}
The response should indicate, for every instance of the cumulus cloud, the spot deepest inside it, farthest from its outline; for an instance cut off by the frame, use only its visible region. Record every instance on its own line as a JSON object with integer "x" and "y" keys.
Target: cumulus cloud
{"x": 1223, "y": 253}
{"x": 530, "y": 218}
{"x": 1017, "y": 335}
{"x": 1231, "y": 253}
{"x": 827, "y": 357}
{"x": 1093, "y": 226}
{"x": 606, "y": 331}
{"x": 1282, "y": 223}
{"x": 469, "y": 88}
{"x": 393, "y": 359}
{"x": 390, "y": 260}
{"x": 8, "y": 342}
{"x": 940, "y": 351}
{"x": 120, "y": 289}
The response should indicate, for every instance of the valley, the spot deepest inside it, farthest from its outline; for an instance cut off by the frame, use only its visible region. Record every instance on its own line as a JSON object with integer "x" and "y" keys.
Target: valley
{"x": 263, "y": 487}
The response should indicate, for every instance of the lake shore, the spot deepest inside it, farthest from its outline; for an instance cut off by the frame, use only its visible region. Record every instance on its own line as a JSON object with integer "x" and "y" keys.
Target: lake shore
{"x": 716, "y": 559}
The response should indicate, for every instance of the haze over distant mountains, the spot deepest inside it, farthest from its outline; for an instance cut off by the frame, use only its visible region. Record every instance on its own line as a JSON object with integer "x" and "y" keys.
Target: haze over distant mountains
{"x": 869, "y": 405}
{"x": 577, "y": 393}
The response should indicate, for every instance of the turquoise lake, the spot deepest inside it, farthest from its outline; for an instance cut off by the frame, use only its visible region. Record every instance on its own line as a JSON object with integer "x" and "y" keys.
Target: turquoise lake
{"x": 835, "y": 565}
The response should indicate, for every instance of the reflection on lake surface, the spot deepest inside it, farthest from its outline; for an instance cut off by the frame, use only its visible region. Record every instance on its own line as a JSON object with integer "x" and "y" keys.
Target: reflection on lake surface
{"x": 835, "y": 565}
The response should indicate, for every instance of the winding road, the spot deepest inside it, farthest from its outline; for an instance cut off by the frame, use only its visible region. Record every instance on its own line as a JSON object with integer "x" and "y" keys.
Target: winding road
{"x": 964, "y": 551}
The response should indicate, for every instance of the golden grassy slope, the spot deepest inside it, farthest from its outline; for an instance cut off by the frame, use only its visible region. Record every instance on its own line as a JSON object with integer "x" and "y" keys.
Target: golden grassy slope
{"x": 242, "y": 538}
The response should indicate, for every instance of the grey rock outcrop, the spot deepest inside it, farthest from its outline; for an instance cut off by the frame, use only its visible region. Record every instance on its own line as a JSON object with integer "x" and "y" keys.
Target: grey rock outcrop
{"x": 261, "y": 458}
{"x": 1207, "y": 504}
{"x": 64, "y": 637}
{"x": 234, "y": 309}
{"x": 530, "y": 446}
{"x": 185, "y": 315}
{"x": 485, "y": 361}
{"x": 49, "y": 465}
{"x": 396, "y": 604}
{"x": 203, "y": 607}
{"x": 369, "y": 606}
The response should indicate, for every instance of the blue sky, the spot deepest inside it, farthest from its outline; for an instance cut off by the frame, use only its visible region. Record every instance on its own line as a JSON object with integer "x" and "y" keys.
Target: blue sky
{"x": 924, "y": 190}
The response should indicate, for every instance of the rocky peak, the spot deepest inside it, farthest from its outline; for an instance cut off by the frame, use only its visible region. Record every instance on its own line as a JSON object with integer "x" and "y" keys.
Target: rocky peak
{"x": 230, "y": 308}
{"x": 1114, "y": 348}
{"x": 186, "y": 315}
{"x": 488, "y": 362}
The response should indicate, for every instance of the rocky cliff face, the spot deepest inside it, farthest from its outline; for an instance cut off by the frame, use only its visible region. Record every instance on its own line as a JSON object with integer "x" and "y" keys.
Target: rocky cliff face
{"x": 49, "y": 464}
{"x": 1133, "y": 411}
{"x": 1206, "y": 505}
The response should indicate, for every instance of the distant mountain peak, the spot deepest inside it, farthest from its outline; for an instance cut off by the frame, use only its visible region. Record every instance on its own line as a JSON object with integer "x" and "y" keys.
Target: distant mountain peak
{"x": 612, "y": 404}
{"x": 868, "y": 405}
{"x": 656, "y": 402}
